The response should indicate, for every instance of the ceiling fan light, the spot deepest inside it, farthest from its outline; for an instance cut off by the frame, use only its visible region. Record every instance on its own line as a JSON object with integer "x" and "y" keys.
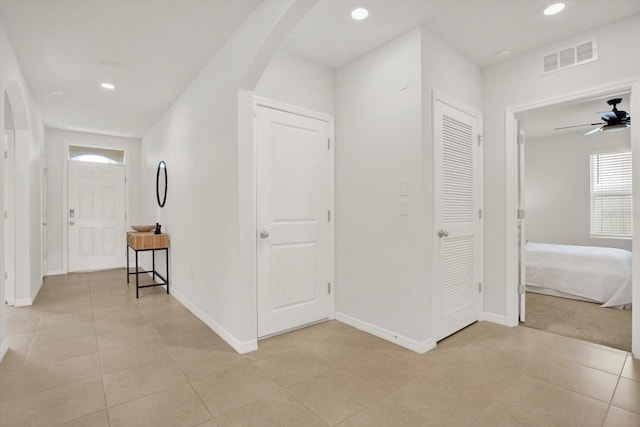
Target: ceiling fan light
{"x": 616, "y": 128}
{"x": 554, "y": 8}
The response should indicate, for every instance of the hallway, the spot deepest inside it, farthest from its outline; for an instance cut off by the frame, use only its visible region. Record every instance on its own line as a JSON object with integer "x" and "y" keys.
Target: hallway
{"x": 87, "y": 353}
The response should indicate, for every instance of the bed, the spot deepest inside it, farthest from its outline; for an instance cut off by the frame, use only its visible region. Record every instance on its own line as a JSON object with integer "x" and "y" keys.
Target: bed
{"x": 587, "y": 273}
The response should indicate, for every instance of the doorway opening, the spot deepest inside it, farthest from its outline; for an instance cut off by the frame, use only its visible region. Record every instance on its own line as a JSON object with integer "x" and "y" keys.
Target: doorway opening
{"x": 516, "y": 296}
{"x": 575, "y": 186}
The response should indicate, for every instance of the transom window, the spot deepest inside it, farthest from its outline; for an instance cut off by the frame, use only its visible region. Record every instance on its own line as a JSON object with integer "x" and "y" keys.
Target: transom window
{"x": 611, "y": 195}
{"x": 96, "y": 155}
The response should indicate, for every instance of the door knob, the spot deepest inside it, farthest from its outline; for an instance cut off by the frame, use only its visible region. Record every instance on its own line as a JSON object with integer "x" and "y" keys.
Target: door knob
{"x": 71, "y": 223}
{"x": 443, "y": 233}
{"x": 264, "y": 234}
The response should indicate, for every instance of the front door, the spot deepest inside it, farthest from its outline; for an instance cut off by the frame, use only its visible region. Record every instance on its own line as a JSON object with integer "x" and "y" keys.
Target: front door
{"x": 457, "y": 187}
{"x": 96, "y": 216}
{"x": 293, "y": 242}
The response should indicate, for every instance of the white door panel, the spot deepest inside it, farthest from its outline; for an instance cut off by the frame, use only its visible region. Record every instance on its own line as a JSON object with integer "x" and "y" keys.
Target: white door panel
{"x": 293, "y": 202}
{"x": 457, "y": 186}
{"x": 96, "y": 196}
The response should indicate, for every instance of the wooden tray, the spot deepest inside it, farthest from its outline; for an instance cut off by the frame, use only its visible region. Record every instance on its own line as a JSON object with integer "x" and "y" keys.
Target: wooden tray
{"x": 147, "y": 240}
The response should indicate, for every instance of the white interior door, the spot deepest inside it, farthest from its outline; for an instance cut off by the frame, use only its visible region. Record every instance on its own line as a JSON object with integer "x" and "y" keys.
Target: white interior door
{"x": 8, "y": 217}
{"x": 293, "y": 242}
{"x": 457, "y": 188}
{"x": 96, "y": 216}
{"x": 521, "y": 227}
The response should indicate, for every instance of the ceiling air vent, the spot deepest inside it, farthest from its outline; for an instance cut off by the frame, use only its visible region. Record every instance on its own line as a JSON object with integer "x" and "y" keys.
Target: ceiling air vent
{"x": 571, "y": 56}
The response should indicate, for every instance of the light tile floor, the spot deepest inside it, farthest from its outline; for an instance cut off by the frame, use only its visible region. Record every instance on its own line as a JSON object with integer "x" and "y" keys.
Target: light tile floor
{"x": 87, "y": 353}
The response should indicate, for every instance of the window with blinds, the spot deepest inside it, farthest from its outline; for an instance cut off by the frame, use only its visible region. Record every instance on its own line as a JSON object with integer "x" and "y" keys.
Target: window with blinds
{"x": 611, "y": 195}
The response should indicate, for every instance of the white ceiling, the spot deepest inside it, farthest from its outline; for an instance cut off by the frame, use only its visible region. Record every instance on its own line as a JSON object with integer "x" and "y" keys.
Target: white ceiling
{"x": 542, "y": 122}
{"x": 478, "y": 28}
{"x": 165, "y": 43}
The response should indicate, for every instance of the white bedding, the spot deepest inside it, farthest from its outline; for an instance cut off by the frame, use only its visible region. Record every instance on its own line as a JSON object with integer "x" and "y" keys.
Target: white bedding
{"x": 598, "y": 274}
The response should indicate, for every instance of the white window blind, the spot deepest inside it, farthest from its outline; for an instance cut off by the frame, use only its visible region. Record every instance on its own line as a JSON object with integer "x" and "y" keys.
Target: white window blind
{"x": 611, "y": 195}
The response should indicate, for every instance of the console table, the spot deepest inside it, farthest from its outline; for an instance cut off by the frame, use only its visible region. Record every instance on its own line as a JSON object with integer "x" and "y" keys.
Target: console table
{"x": 144, "y": 242}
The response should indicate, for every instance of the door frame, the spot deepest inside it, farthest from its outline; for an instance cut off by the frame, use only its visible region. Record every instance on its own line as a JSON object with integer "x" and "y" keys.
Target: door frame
{"x": 65, "y": 193}
{"x": 9, "y": 207}
{"x": 511, "y": 196}
{"x": 479, "y": 188}
{"x": 288, "y": 108}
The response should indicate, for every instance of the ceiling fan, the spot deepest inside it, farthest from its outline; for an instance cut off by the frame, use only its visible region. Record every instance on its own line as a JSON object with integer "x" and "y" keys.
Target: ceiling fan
{"x": 612, "y": 121}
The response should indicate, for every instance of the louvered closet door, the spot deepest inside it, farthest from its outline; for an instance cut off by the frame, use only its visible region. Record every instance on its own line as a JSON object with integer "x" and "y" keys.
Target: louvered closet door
{"x": 457, "y": 219}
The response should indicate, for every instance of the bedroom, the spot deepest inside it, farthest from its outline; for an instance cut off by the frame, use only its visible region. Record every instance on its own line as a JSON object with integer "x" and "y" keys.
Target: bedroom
{"x": 578, "y": 222}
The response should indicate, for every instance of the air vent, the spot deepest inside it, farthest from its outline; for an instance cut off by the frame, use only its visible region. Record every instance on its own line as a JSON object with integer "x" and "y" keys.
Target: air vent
{"x": 571, "y": 56}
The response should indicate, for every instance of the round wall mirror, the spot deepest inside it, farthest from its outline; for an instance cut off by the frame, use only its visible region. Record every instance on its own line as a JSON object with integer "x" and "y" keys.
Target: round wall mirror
{"x": 161, "y": 183}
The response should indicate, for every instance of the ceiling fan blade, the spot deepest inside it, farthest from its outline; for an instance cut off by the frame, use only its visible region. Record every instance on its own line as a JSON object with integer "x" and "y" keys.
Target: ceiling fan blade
{"x": 578, "y": 126}
{"x": 608, "y": 115}
{"x": 592, "y": 131}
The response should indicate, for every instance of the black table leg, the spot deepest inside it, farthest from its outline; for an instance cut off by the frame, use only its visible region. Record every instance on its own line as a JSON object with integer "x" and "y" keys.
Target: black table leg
{"x": 127, "y": 263}
{"x": 153, "y": 264}
{"x": 167, "y": 278}
{"x": 137, "y": 281}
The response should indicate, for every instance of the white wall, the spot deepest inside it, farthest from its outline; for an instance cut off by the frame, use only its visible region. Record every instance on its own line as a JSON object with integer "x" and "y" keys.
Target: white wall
{"x": 296, "y": 81}
{"x": 557, "y": 195}
{"x": 384, "y": 275}
{"x": 517, "y": 81}
{"x": 57, "y": 142}
{"x": 29, "y": 145}
{"x": 205, "y": 138}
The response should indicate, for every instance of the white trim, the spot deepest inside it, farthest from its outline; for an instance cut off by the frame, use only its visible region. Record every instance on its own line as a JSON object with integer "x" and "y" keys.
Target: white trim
{"x": 493, "y": 318}
{"x": 417, "y": 346}
{"x": 511, "y": 237}
{"x": 288, "y": 108}
{"x": 55, "y": 272}
{"x": 635, "y": 285}
{"x": 23, "y": 302}
{"x": 9, "y": 241}
{"x": 239, "y": 346}
{"x": 4, "y": 347}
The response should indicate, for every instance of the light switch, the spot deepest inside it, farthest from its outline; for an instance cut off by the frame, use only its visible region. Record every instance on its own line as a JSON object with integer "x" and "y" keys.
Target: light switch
{"x": 404, "y": 207}
{"x": 404, "y": 188}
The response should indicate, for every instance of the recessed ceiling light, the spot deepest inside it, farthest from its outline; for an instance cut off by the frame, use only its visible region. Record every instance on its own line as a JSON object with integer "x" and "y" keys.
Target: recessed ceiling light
{"x": 359, "y": 13}
{"x": 554, "y": 8}
{"x": 106, "y": 85}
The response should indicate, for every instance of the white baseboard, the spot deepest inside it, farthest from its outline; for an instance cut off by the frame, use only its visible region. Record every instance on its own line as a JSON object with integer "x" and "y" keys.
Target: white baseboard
{"x": 22, "y": 302}
{"x": 240, "y": 347}
{"x": 55, "y": 272}
{"x": 4, "y": 347}
{"x": 417, "y": 346}
{"x": 494, "y": 318}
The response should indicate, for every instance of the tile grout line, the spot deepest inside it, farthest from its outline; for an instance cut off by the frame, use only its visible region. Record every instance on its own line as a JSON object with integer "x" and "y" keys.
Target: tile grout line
{"x": 104, "y": 390}
{"x": 616, "y": 387}
{"x": 164, "y": 344}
